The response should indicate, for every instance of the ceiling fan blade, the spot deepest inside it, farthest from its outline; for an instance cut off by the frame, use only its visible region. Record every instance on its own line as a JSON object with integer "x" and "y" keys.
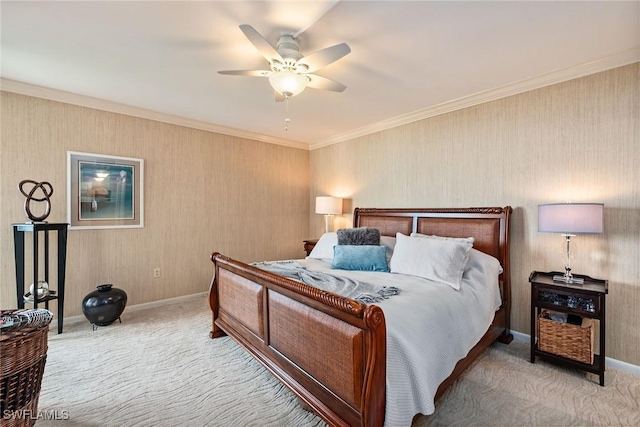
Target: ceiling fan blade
{"x": 323, "y": 57}
{"x": 260, "y": 43}
{"x": 252, "y": 73}
{"x": 278, "y": 96}
{"x": 323, "y": 83}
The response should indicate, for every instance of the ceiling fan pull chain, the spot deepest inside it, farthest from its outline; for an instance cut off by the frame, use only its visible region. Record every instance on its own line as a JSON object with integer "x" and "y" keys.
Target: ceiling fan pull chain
{"x": 287, "y": 120}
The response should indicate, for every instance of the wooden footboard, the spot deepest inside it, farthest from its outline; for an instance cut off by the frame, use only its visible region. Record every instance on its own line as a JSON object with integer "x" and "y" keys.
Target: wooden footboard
{"x": 330, "y": 350}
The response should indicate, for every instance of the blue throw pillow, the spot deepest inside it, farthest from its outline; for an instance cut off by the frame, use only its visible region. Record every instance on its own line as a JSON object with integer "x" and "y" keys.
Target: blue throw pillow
{"x": 360, "y": 257}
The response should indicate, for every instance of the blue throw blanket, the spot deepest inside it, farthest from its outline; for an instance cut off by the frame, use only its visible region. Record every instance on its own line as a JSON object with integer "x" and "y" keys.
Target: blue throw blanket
{"x": 365, "y": 293}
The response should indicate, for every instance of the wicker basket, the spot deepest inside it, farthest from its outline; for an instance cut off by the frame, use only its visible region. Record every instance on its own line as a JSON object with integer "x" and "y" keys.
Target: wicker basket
{"x": 23, "y": 353}
{"x": 564, "y": 339}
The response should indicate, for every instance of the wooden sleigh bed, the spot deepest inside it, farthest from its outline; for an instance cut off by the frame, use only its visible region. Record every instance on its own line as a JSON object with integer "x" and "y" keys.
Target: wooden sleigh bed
{"x": 330, "y": 350}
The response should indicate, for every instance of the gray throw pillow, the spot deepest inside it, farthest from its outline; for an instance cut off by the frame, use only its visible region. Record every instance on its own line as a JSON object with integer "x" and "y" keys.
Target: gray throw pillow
{"x": 359, "y": 236}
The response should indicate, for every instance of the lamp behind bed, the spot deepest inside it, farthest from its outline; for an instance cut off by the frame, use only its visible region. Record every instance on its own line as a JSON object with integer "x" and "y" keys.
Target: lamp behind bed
{"x": 328, "y": 206}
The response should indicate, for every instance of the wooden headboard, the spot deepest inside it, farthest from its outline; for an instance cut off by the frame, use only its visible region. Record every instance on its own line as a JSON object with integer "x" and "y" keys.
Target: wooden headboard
{"x": 488, "y": 226}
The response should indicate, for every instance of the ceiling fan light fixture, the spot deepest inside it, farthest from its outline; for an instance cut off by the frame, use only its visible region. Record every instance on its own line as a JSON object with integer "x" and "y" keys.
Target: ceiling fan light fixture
{"x": 288, "y": 83}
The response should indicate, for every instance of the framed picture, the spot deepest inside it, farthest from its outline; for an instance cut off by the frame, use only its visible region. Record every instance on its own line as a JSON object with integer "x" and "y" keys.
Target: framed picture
{"x": 104, "y": 191}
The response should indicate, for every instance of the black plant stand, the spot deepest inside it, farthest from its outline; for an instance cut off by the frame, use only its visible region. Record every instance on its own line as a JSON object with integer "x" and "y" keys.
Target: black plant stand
{"x": 18, "y": 239}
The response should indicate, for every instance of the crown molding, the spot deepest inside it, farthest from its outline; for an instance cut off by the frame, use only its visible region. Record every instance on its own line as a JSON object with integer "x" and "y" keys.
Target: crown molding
{"x": 603, "y": 64}
{"x": 22, "y": 88}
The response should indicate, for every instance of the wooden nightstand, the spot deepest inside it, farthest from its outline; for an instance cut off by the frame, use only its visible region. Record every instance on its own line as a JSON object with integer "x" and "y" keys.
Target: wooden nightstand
{"x": 309, "y": 245}
{"x": 586, "y": 300}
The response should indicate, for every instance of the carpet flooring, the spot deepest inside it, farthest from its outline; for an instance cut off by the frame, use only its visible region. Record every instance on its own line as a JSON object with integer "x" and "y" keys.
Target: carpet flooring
{"x": 159, "y": 368}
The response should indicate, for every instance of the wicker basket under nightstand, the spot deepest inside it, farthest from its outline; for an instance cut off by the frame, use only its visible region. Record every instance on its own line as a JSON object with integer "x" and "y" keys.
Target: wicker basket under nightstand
{"x": 574, "y": 342}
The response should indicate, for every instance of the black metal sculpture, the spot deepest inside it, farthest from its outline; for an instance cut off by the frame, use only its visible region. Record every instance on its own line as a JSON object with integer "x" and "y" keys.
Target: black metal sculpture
{"x": 47, "y": 191}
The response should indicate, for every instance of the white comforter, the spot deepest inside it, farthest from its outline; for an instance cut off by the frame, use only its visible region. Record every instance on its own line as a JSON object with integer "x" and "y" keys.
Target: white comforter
{"x": 430, "y": 327}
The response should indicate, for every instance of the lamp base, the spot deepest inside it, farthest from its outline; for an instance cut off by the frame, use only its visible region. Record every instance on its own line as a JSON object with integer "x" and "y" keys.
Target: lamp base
{"x": 327, "y": 222}
{"x": 571, "y": 280}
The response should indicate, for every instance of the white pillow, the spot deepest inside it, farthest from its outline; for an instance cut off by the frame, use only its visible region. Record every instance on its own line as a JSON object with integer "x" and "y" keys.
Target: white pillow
{"x": 324, "y": 248}
{"x": 483, "y": 261}
{"x": 441, "y": 259}
{"x": 484, "y": 266}
{"x": 390, "y": 243}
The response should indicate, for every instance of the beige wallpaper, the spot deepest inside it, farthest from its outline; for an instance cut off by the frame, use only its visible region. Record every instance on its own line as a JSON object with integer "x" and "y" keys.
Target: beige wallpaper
{"x": 576, "y": 141}
{"x": 204, "y": 192}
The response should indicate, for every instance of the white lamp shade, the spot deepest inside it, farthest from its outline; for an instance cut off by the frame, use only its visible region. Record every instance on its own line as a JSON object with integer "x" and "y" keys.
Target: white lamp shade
{"x": 328, "y": 205}
{"x": 288, "y": 83}
{"x": 571, "y": 218}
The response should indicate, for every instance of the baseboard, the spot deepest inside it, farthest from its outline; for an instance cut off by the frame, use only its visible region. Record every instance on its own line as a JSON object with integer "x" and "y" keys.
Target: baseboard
{"x": 143, "y": 306}
{"x": 612, "y": 363}
{"x": 519, "y": 336}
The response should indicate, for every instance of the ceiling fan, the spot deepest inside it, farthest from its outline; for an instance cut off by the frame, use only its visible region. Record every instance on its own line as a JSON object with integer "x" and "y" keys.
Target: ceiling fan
{"x": 291, "y": 72}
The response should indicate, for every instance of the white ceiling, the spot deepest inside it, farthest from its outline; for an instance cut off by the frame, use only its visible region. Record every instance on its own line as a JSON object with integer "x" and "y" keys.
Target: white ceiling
{"x": 409, "y": 60}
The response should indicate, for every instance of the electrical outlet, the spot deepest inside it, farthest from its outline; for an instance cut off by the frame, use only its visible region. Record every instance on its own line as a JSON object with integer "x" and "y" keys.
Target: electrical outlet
{"x": 156, "y": 272}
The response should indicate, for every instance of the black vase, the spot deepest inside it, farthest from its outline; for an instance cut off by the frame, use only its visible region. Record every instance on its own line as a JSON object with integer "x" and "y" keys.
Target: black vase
{"x": 104, "y": 306}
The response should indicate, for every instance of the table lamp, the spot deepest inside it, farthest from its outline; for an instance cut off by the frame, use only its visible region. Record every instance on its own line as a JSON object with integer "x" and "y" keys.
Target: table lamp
{"x": 570, "y": 219}
{"x": 328, "y": 206}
